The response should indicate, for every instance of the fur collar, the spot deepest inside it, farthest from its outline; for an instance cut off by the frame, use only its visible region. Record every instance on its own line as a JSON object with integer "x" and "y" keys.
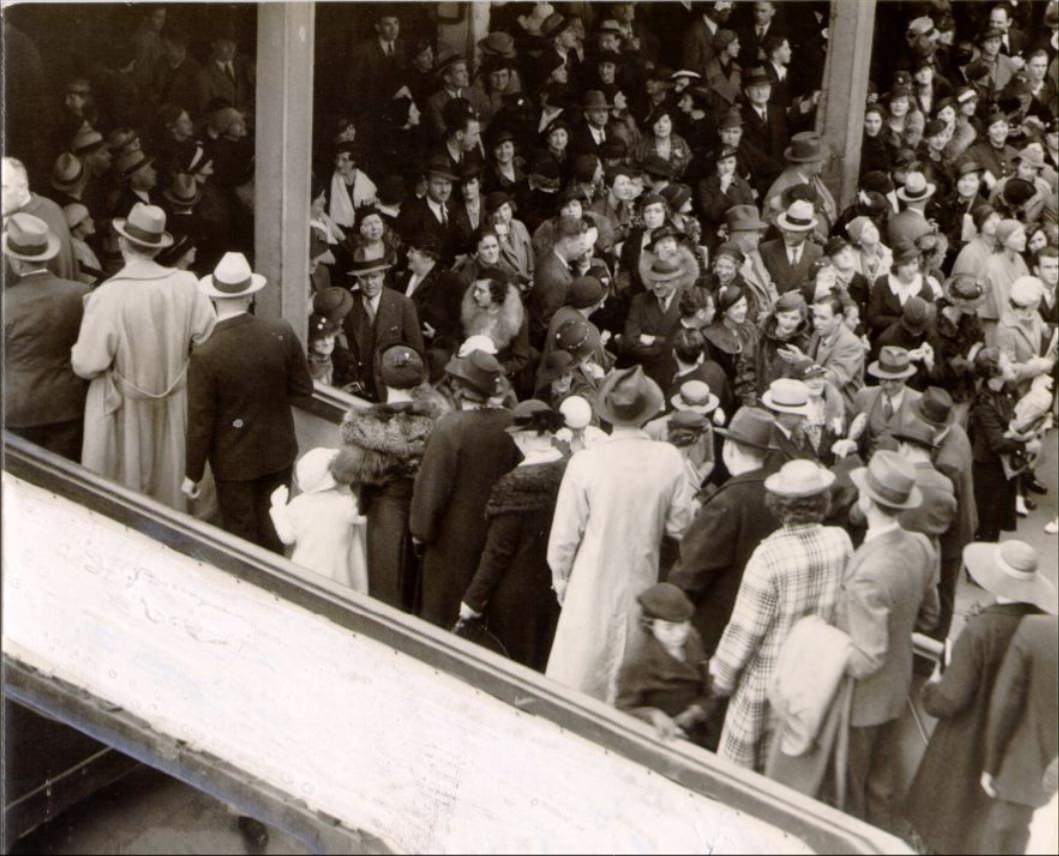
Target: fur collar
{"x": 502, "y": 328}
{"x": 689, "y": 267}
{"x": 529, "y": 488}
{"x": 392, "y": 437}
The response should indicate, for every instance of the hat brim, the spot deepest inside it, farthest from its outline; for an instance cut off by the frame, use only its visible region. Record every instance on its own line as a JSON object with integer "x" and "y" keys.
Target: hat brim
{"x": 802, "y": 409}
{"x": 742, "y": 440}
{"x": 904, "y": 197}
{"x": 882, "y": 374}
{"x": 795, "y": 227}
{"x": 438, "y": 172}
{"x": 859, "y": 477}
{"x": 51, "y": 250}
{"x": 176, "y": 200}
{"x": 774, "y": 484}
{"x": 456, "y": 368}
{"x": 712, "y": 403}
{"x": 206, "y": 286}
{"x": 652, "y": 403}
{"x": 119, "y": 227}
{"x": 789, "y": 155}
{"x": 971, "y": 303}
{"x": 982, "y": 561}
{"x": 379, "y": 268}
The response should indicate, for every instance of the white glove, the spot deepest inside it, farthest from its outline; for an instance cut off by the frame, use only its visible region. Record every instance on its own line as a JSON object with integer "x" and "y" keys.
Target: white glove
{"x": 280, "y": 495}
{"x": 190, "y": 489}
{"x": 466, "y": 613}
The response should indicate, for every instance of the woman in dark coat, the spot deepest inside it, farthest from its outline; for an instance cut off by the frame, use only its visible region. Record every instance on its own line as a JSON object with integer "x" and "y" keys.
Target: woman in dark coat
{"x": 994, "y": 406}
{"x": 466, "y": 455}
{"x": 512, "y": 588}
{"x": 732, "y": 339}
{"x": 393, "y": 437}
{"x": 787, "y": 324}
{"x": 946, "y": 803}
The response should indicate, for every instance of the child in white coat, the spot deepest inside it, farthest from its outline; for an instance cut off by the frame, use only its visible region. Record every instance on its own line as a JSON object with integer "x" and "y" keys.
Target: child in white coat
{"x": 323, "y": 522}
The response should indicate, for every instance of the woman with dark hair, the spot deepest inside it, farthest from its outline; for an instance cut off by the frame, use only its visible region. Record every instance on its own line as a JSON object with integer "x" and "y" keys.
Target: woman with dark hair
{"x": 486, "y": 259}
{"x": 787, "y": 324}
{"x": 373, "y": 238}
{"x": 505, "y": 169}
{"x": 732, "y": 338}
{"x": 889, "y": 292}
{"x": 874, "y": 153}
{"x": 904, "y": 126}
{"x": 796, "y": 571}
{"x": 466, "y": 211}
{"x": 653, "y": 213}
{"x": 493, "y": 307}
{"x": 719, "y": 192}
{"x": 660, "y": 139}
{"x": 999, "y": 450}
{"x": 556, "y": 139}
{"x": 511, "y": 590}
{"x": 516, "y": 246}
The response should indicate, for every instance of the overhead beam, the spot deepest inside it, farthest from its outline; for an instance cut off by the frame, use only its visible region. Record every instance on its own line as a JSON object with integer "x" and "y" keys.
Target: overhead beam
{"x": 282, "y": 159}
{"x": 840, "y": 119}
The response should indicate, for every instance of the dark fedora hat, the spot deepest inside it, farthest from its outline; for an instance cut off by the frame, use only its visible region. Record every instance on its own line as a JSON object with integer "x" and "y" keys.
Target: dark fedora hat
{"x": 934, "y": 406}
{"x": 364, "y": 267}
{"x": 555, "y": 24}
{"x": 915, "y": 430}
{"x": 595, "y": 99}
{"x": 965, "y": 288}
{"x": 440, "y": 167}
{"x": 184, "y": 190}
{"x": 806, "y": 147}
{"x": 756, "y": 76}
{"x": 479, "y": 370}
{"x": 628, "y": 397}
{"x": 750, "y": 426}
{"x": 657, "y": 166}
{"x": 744, "y": 218}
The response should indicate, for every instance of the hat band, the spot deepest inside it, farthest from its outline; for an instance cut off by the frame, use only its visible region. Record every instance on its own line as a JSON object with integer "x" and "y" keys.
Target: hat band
{"x": 966, "y": 96}
{"x": 885, "y": 492}
{"x": 918, "y": 194}
{"x": 893, "y": 368}
{"x": 1014, "y": 573}
{"x": 131, "y": 169}
{"x": 134, "y": 231}
{"x": 798, "y": 221}
{"x": 231, "y": 287}
{"x": 26, "y": 249}
{"x": 91, "y": 147}
{"x": 73, "y": 179}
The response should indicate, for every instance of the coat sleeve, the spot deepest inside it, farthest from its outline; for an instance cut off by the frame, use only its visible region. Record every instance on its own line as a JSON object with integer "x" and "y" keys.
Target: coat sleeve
{"x": 569, "y": 521}
{"x": 681, "y": 505}
{"x": 501, "y": 541}
{"x": 434, "y": 482}
{"x": 97, "y": 341}
{"x": 203, "y": 319}
{"x": 930, "y": 606}
{"x": 991, "y": 426}
{"x": 846, "y": 363}
{"x": 878, "y": 316}
{"x": 1008, "y": 699}
{"x": 202, "y": 415}
{"x": 753, "y": 613}
{"x": 631, "y": 343}
{"x": 868, "y": 612}
{"x": 708, "y": 548}
{"x": 959, "y": 683}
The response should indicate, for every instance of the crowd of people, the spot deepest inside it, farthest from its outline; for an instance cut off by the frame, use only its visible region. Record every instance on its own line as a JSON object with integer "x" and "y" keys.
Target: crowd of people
{"x": 640, "y": 405}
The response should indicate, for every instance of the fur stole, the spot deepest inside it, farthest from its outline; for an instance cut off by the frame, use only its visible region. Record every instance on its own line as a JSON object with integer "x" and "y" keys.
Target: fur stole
{"x": 392, "y": 436}
{"x": 531, "y": 488}
{"x": 502, "y": 328}
{"x": 689, "y": 268}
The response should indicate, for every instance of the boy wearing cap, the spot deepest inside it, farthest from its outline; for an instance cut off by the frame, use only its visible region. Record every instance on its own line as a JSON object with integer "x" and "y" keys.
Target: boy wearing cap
{"x": 888, "y": 591}
{"x": 43, "y": 398}
{"x": 136, "y": 409}
{"x": 241, "y": 383}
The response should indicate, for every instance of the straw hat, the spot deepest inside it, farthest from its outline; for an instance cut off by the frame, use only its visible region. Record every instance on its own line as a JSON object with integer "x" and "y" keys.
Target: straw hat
{"x": 696, "y": 396}
{"x": 1010, "y": 569}
{"x": 799, "y": 478}
{"x": 231, "y": 278}
{"x": 799, "y": 216}
{"x": 786, "y": 395}
{"x": 29, "y": 239}
{"x": 67, "y": 172}
{"x": 145, "y": 227}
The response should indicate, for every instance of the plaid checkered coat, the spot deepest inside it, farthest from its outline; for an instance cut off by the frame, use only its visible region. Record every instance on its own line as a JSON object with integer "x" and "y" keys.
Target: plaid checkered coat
{"x": 796, "y": 571}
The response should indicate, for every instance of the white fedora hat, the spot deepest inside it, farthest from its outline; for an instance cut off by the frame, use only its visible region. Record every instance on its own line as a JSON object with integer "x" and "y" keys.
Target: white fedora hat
{"x": 231, "y": 278}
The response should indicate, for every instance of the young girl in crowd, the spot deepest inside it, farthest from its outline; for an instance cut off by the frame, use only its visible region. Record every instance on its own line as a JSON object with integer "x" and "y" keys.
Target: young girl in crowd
{"x": 323, "y": 522}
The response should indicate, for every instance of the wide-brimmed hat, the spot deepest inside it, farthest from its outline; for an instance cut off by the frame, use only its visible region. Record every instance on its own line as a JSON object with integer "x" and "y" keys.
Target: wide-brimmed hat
{"x": 553, "y": 367}
{"x": 744, "y": 218}
{"x": 756, "y": 76}
{"x": 145, "y": 227}
{"x": 478, "y": 370}
{"x": 1010, "y": 570}
{"x": 786, "y": 395}
{"x": 364, "y": 267}
{"x": 67, "y": 172}
{"x": 86, "y": 141}
{"x": 893, "y": 364}
{"x": 750, "y": 426}
{"x": 889, "y": 479}
{"x": 805, "y": 147}
{"x": 934, "y": 407}
{"x": 131, "y": 162}
{"x": 666, "y": 602}
{"x": 662, "y": 270}
{"x": 628, "y": 397}
{"x": 916, "y": 188}
{"x": 184, "y": 191}
{"x": 799, "y": 478}
{"x": 800, "y": 216}
{"x": 231, "y": 278}
{"x": 595, "y": 99}
{"x": 441, "y": 168}
{"x": 695, "y": 395}
{"x": 313, "y": 470}
{"x": 29, "y": 239}
{"x": 401, "y": 367}
{"x": 499, "y": 44}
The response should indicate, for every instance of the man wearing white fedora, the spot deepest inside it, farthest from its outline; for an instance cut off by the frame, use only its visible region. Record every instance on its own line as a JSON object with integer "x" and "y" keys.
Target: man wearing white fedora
{"x": 133, "y": 346}
{"x": 240, "y": 385}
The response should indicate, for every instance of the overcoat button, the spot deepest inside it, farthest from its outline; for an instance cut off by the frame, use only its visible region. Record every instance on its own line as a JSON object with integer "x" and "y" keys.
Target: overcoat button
{"x": 238, "y": 423}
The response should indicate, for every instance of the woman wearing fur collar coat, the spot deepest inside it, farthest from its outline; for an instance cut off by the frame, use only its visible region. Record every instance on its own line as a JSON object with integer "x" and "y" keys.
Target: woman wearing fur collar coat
{"x": 393, "y": 437}
{"x": 493, "y": 307}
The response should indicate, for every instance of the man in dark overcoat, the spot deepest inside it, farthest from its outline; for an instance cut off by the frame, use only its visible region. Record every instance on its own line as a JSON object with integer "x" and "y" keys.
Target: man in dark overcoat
{"x": 467, "y": 453}
{"x": 728, "y": 527}
{"x": 44, "y": 401}
{"x": 241, "y": 382}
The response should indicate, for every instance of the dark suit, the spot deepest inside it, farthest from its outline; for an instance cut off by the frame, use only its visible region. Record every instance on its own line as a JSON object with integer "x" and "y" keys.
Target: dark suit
{"x": 954, "y": 460}
{"x": 770, "y": 134}
{"x": 888, "y": 592}
{"x": 646, "y": 317}
{"x": 551, "y": 279}
{"x": 184, "y": 85}
{"x": 417, "y": 219}
{"x": 716, "y": 548}
{"x": 395, "y": 323}
{"x": 44, "y": 401}
{"x": 237, "y": 90}
{"x": 437, "y": 300}
{"x": 374, "y": 76}
{"x": 582, "y": 141}
{"x": 869, "y": 400}
{"x": 786, "y": 278}
{"x": 241, "y": 382}
{"x": 1022, "y": 735}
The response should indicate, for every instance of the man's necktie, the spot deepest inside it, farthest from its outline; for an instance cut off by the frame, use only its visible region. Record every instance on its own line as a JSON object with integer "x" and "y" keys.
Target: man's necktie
{"x": 888, "y": 408}
{"x": 369, "y": 310}
{"x": 229, "y": 71}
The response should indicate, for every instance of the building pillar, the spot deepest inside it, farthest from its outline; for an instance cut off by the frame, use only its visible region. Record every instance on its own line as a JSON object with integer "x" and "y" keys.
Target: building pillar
{"x": 840, "y": 118}
{"x": 282, "y": 159}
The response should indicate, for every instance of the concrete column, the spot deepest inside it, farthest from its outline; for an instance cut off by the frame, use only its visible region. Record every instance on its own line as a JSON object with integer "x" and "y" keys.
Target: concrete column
{"x": 840, "y": 117}
{"x": 282, "y": 166}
